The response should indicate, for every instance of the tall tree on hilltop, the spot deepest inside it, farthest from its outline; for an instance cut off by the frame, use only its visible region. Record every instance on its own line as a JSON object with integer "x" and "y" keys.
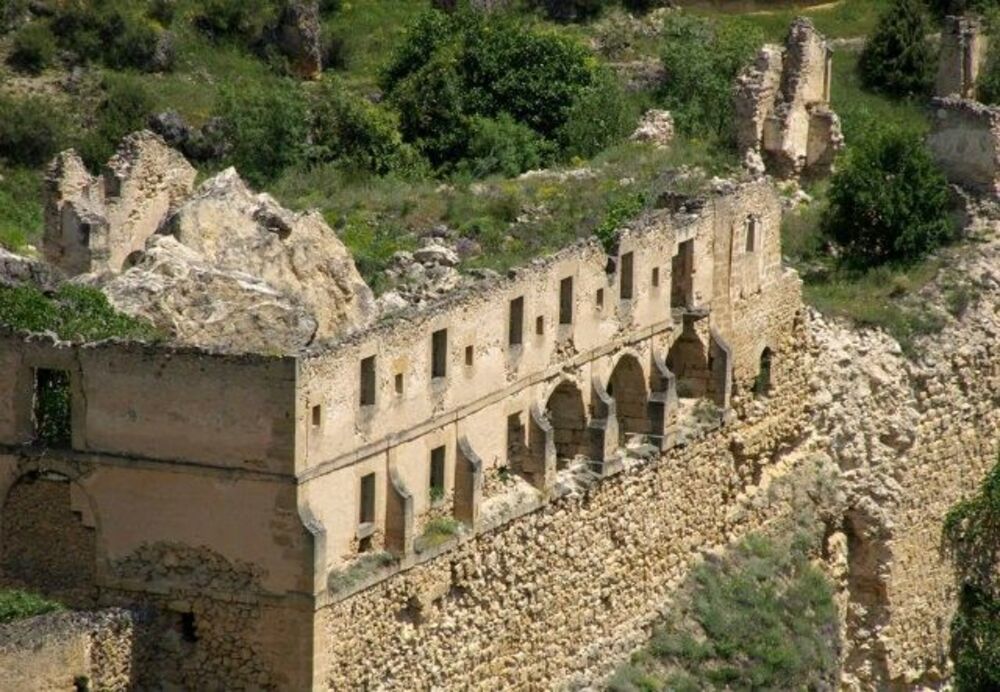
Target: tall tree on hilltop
{"x": 897, "y": 58}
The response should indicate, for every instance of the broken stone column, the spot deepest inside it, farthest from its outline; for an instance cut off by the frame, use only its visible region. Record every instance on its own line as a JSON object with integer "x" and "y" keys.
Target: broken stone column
{"x": 299, "y": 37}
{"x": 963, "y": 54}
{"x": 781, "y": 100}
{"x": 93, "y": 224}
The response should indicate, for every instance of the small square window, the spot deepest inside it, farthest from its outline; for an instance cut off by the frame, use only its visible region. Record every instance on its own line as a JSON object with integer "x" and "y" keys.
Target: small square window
{"x": 317, "y": 415}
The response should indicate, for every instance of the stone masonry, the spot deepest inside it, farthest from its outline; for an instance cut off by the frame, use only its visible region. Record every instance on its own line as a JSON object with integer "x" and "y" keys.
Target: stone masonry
{"x": 964, "y": 46}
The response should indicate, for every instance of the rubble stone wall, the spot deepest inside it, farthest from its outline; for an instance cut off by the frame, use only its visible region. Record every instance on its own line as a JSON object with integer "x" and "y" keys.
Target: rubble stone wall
{"x": 568, "y": 589}
{"x": 963, "y": 52}
{"x": 55, "y": 652}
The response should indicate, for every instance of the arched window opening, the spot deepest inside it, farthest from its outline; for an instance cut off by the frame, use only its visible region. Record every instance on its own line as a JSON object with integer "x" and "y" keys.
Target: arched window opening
{"x": 567, "y": 415}
{"x": 627, "y": 385}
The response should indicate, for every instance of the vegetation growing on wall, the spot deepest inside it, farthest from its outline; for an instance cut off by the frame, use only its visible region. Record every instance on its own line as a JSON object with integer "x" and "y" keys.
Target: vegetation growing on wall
{"x": 759, "y": 617}
{"x": 16, "y": 605}
{"x": 972, "y": 536}
{"x": 73, "y": 313}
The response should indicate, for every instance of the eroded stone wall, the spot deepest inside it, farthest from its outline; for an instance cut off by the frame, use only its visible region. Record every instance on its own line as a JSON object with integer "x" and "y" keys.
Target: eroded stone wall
{"x": 965, "y": 143}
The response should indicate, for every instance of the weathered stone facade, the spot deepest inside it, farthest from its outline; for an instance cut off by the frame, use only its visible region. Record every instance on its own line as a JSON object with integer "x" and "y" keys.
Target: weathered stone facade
{"x": 965, "y": 142}
{"x": 782, "y": 104}
{"x": 964, "y": 45}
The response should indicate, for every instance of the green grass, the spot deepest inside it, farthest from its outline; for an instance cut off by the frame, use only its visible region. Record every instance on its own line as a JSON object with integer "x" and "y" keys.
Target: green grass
{"x": 17, "y": 605}
{"x": 364, "y": 567}
{"x": 844, "y": 19}
{"x": 858, "y": 108}
{"x": 20, "y": 208}
{"x": 760, "y": 617}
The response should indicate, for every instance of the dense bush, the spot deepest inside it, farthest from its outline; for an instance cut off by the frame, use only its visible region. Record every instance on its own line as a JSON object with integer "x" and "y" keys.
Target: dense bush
{"x": 33, "y": 49}
{"x": 243, "y": 20}
{"x": 599, "y": 116}
{"x": 117, "y": 33}
{"x": 889, "y": 201}
{"x": 972, "y": 533}
{"x": 988, "y": 86}
{"x": 266, "y": 126}
{"x": 701, "y": 59}
{"x": 124, "y": 108}
{"x": 503, "y": 147}
{"x": 897, "y": 59}
{"x": 454, "y": 68}
{"x": 31, "y": 130}
{"x": 73, "y": 313}
{"x": 347, "y": 128}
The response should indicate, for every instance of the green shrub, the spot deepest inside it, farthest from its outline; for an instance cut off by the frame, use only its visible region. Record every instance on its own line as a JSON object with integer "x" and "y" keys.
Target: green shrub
{"x": 599, "y": 116}
{"x": 761, "y": 617}
{"x": 12, "y": 13}
{"x": 972, "y": 534}
{"x": 120, "y": 34}
{"x": 888, "y": 202}
{"x": 266, "y": 126}
{"x": 244, "y": 20}
{"x": 503, "y": 147}
{"x": 32, "y": 130}
{"x": 619, "y": 212}
{"x": 454, "y": 68}
{"x": 350, "y": 129}
{"x": 897, "y": 59}
{"x": 33, "y": 49}
{"x": 124, "y": 109}
{"x": 15, "y": 605}
{"x": 701, "y": 59}
{"x": 73, "y": 313}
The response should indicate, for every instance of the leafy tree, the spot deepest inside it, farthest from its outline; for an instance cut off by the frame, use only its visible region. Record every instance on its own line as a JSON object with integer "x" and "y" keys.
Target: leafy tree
{"x": 897, "y": 59}
{"x": 972, "y": 534}
{"x": 34, "y": 48}
{"x": 701, "y": 59}
{"x": 888, "y": 202}
{"x": 120, "y": 34}
{"x": 455, "y": 67}
{"x": 266, "y": 126}
{"x": 599, "y": 116}
{"x": 350, "y": 129}
{"x": 124, "y": 109}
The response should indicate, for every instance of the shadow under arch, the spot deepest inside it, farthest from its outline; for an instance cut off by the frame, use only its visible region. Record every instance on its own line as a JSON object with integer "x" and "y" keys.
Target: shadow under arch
{"x": 567, "y": 414}
{"x": 627, "y": 386}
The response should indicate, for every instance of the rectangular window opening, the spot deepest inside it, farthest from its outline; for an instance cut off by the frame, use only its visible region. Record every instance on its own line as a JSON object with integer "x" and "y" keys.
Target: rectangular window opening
{"x": 437, "y": 474}
{"x": 566, "y": 301}
{"x": 439, "y": 353}
{"x": 600, "y": 298}
{"x": 52, "y": 408}
{"x": 399, "y": 383}
{"x": 470, "y": 355}
{"x": 515, "y": 329}
{"x": 317, "y": 415}
{"x": 627, "y": 275}
{"x": 368, "y": 381}
{"x": 751, "y": 234}
{"x": 539, "y": 325}
{"x": 367, "y": 504}
{"x": 656, "y": 277}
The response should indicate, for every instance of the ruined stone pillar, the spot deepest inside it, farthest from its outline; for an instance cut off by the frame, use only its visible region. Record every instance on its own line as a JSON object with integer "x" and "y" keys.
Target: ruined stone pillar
{"x": 963, "y": 53}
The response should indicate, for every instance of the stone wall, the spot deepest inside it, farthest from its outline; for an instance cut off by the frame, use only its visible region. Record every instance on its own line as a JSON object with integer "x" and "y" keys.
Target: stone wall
{"x": 964, "y": 46}
{"x": 569, "y": 588}
{"x": 66, "y": 651}
{"x": 965, "y": 142}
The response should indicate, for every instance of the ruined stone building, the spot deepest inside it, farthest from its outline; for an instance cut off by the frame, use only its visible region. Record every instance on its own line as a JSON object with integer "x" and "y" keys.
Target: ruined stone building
{"x": 248, "y": 497}
{"x": 782, "y": 102}
{"x": 964, "y": 47}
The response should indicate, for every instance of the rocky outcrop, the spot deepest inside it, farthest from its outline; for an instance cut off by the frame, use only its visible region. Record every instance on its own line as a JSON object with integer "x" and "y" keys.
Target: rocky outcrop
{"x": 93, "y": 223}
{"x": 176, "y": 289}
{"x": 16, "y": 270}
{"x": 299, "y": 38}
{"x": 297, "y": 255}
{"x": 656, "y": 127}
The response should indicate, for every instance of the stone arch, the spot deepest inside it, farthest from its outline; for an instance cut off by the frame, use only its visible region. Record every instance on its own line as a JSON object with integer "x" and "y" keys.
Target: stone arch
{"x": 567, "y": 414}
{"x": 762, "y": 383}
{"x": 627, "y": 385}
{"x": 688, "y": 359}
{"x": 47, "y": 542}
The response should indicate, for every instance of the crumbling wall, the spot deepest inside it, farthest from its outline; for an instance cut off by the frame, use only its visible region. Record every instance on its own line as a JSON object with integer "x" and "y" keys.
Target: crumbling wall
{"x": 93, "y": 224}
{"x": 965, "y": 142}
{"x": 62, "y": 651}
{"x": 964, "y": 46}
{"x": 570, "y": 588}
{"x": 783, "y": 116}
